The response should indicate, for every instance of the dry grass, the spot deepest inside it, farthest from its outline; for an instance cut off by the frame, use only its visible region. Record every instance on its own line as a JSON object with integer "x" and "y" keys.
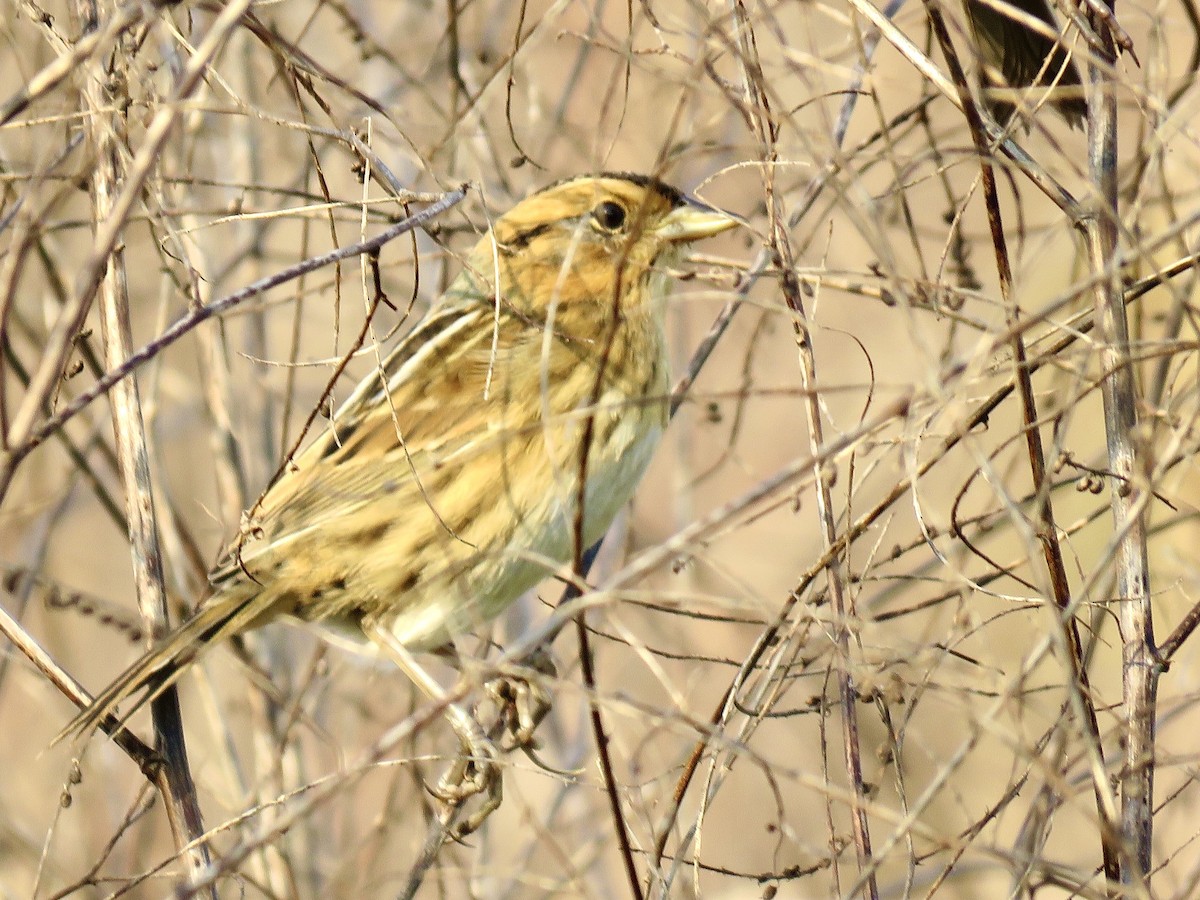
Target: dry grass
{"x": 871, "y": 647}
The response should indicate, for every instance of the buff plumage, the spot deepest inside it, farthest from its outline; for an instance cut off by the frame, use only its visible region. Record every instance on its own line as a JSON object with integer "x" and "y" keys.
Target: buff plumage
{"x": 448, "y": 483}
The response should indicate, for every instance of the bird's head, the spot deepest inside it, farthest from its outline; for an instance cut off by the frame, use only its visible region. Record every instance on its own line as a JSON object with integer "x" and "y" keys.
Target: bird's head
{"x": 592, "y": 240}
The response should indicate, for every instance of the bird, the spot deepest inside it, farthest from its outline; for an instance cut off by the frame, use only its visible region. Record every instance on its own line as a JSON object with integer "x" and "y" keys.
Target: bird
{"x": 450, "y": 480}
{"x": 1016, "y": 58}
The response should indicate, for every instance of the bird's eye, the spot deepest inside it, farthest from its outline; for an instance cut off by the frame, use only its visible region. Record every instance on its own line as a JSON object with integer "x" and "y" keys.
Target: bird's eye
{"x": 609, "y": 215}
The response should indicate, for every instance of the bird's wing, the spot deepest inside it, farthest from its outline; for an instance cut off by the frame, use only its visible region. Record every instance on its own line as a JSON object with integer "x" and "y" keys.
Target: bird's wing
{"x": 415, "y": 409}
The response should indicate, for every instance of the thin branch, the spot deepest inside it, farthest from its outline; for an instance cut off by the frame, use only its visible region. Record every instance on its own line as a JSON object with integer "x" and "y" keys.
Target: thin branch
{"x": 218, "y": 307}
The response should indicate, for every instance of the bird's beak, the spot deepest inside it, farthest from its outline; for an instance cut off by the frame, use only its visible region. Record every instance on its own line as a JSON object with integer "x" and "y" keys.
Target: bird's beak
{"x": 693, "y": 221}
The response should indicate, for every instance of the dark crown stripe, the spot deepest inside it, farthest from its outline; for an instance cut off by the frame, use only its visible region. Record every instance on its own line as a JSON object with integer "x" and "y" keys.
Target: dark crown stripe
{"x": 675, "y": 197}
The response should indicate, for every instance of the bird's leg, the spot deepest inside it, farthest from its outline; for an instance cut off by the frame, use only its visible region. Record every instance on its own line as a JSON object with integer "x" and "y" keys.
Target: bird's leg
{"x": 521, "y": 701}
{"x": 477, "y": 771}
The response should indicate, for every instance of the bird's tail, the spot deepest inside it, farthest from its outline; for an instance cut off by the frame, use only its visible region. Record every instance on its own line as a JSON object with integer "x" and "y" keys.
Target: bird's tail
{"x": 221, "y": 617}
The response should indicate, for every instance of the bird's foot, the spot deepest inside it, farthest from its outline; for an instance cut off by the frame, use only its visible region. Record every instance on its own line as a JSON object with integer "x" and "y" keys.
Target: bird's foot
{"x": 522, "y": 699}
{"x": 476, "y": 772}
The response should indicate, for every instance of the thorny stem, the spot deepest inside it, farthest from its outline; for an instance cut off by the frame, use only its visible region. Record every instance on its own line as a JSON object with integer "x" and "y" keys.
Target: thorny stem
{"x": 1046, "y": 531}
{"x": 1140, "y": 662}
{"x": 108, "y": 133}
{"x": 679, "y": 392}
{"x": 766, "y": 130}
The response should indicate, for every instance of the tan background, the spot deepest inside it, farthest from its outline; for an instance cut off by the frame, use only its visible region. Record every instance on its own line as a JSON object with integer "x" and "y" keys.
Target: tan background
{"x": 959, "y": 676}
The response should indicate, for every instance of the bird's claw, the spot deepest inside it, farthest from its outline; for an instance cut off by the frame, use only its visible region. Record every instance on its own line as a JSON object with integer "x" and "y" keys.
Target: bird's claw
{"x": 477, "y": 771}
{"x": 522, "y": 699}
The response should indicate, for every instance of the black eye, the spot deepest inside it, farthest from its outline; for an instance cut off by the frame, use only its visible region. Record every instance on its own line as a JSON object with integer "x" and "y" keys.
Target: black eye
{"x": 609, "y": 215}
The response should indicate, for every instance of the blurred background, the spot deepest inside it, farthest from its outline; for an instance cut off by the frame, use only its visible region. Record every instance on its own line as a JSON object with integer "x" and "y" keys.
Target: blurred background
{"x": 739, "y": 661}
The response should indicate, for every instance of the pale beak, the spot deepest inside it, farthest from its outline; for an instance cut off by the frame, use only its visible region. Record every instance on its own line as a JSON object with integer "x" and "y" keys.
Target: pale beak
{"x": 693, "y": 221}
